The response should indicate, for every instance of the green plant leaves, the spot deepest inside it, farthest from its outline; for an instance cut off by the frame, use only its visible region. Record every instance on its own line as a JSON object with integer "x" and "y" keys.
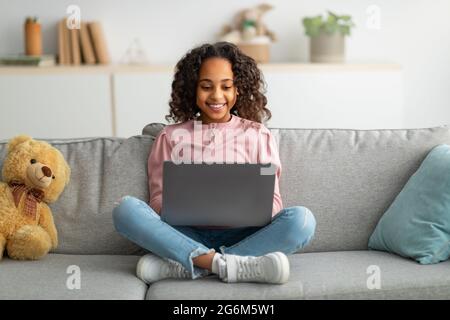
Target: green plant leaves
{"x": 345, "y": 30}
{"x": 312, "y": 25}
{"x": 332, "y": 24}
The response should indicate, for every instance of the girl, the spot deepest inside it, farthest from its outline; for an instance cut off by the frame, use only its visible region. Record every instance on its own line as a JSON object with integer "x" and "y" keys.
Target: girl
{"x": 215, "y": 87}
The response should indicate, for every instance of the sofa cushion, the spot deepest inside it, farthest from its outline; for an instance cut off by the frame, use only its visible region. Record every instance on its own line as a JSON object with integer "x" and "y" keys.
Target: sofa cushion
{"x": 417, "y": 224}
{"x": 348, "y": 178}
{"x": 101, "y": 277}
{"x": 326, "y": 275}
{"x": 103, "y": 170}
{"x": 152, "y": 129}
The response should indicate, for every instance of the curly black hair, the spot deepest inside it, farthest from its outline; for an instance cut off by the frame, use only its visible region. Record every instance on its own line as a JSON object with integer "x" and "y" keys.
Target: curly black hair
{"x": 248, "y": 79}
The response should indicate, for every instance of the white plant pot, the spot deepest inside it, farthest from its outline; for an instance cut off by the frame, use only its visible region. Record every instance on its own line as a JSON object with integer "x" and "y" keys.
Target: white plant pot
{"x": 326, "y": 48}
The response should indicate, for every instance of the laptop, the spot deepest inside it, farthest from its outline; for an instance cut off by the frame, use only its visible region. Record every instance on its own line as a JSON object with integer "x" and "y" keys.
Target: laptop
{"x": 218, "y": 195}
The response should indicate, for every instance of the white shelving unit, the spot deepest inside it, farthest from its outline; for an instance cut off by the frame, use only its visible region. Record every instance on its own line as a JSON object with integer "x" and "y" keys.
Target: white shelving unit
{"x": 69, "y": 102}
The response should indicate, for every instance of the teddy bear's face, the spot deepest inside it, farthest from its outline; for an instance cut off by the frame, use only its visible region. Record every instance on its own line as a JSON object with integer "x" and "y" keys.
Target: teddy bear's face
{"x": 38, "y": 165}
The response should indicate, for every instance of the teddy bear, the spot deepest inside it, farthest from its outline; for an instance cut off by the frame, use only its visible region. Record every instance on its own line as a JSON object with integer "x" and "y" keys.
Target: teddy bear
{"x": 34, "y": 174}
{"x": 247, "y": 25}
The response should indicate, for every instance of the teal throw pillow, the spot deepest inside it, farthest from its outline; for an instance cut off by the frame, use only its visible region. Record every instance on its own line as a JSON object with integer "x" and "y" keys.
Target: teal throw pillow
{"x": 417, "y": 224}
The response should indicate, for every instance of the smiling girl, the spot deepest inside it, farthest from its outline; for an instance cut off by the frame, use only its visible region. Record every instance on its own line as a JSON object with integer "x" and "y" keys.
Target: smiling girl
{"x": 215, "y": 87}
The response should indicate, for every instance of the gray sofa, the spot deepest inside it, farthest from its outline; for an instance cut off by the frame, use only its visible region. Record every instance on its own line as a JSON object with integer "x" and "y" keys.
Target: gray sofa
{"x": 348, "y": 178}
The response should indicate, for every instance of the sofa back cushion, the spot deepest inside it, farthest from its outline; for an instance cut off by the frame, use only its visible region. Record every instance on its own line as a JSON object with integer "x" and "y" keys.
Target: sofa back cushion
{"x": 349, "y": 178}
{"x": 103, "y": 170}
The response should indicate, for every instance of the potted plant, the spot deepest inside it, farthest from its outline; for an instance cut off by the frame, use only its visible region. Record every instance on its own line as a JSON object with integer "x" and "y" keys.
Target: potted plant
{"x": 327, "y": 37}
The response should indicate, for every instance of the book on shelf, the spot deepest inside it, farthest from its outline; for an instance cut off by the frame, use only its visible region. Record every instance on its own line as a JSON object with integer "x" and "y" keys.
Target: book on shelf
{"x": 87, "y": 51}
{"x": 86, "y": 45}
{"x": 75, "y": 46}
{"x": 62, "y": 55}
{"x": 64, "y": 44}
{"x": 99, "y": 42}
{"x": 46, "y": 60}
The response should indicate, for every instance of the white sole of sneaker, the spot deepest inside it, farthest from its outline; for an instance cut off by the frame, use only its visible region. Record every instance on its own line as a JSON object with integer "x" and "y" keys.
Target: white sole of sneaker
{"x": 141, "y": 266}
{"x": 282, "y": 264}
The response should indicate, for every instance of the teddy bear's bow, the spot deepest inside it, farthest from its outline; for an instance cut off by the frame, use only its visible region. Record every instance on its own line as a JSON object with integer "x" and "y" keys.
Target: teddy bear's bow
{"x": 33, "y": 197}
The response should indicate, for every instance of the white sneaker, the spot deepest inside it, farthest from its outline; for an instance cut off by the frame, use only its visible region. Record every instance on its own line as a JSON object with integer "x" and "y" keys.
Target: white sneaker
{"x": 152, "y": 268}
{"x": 270, "y": 268}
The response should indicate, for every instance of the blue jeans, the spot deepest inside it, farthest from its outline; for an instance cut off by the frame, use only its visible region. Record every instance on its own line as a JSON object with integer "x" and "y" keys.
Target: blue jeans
{"x": 290, "y": 230}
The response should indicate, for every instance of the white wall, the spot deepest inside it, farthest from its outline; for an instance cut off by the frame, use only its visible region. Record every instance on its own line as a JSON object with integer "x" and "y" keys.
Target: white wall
{"x": 413, "y": 33}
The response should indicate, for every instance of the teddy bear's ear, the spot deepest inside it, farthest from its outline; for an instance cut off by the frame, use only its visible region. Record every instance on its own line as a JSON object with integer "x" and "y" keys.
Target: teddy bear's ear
{"x": 68, "y": 173}
{"x": 14, "y": 142}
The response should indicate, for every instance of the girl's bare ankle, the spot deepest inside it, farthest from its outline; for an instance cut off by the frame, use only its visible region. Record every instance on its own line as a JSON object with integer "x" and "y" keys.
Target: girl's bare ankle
{"x": 204, "y": 261}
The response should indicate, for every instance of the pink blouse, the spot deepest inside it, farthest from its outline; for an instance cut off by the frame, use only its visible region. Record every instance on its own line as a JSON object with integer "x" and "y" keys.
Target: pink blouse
{"x": 238, "y": 140}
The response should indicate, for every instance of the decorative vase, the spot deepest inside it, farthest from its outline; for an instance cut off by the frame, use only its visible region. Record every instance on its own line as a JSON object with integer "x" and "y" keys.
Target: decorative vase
{"x": 327, "y": 48}
{"x": 33, "y": 37}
